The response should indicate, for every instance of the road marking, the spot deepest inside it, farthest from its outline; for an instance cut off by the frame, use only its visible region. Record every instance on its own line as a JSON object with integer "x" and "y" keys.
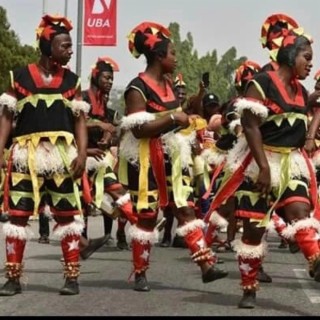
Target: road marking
{"x": 307, "y": 287}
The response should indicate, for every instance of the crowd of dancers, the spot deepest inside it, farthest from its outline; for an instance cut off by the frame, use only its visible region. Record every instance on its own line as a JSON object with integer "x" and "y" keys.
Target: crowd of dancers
{"x": 208, "y": 164}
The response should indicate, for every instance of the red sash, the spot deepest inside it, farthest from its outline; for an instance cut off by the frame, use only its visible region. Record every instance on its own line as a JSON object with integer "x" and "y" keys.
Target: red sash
{"x": 159, "y": 170}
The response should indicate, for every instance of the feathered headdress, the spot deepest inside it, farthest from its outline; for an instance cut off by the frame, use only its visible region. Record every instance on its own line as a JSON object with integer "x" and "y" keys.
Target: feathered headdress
{"x": 49, "y": 27}
{"x": 245, "y": 73}
{"x": 147, "y": 37}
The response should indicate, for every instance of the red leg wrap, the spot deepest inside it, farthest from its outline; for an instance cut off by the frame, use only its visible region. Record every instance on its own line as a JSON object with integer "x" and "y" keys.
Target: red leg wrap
{"x": 279, "y": 224}
{"x": 308, "y": 243}
{"x": 14, "y": 249}
{"x": 70, "y": 248}
{"x": 140, "y": 254}
{"x": 248, "y": 268}
{"x": 197, "y": 245}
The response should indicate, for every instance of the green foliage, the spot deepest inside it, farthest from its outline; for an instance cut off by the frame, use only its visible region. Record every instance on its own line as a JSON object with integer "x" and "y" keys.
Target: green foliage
{"x": 12, "y": 53}
{"x": 191, "y": 66}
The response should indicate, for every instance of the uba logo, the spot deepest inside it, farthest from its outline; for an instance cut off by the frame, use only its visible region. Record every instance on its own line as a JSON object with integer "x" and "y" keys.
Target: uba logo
{"x": 100, "y": 5}
{"x": 100, "y": 8}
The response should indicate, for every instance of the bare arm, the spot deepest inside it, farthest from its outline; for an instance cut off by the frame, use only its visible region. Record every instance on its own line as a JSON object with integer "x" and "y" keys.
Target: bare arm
{"x": 314, "y": 125}
{"x": 135, "y": 103}
{"x": 105, "y": 126}
{"x": 6, "y": 120}
{"x": 251, "y": 124}
{"x": 310, "y": 145}
{"x": 195, "y": 102}
{"x": 81, "y": 137}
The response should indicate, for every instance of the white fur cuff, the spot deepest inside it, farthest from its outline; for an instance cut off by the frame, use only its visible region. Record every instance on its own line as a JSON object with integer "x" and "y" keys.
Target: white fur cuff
{"x": 78, "y": 105}
{"x": 248, "y": 251}
{"x": 123, "y": 200}
{"x": 218, "y": 220}
{"x": 233, "y": 124}
{"x": 291, "y": 230}
{"x": 136, "y": 119}
{"x": 254, "y": 106}
{"x": 17, "y": 232}
{"x": 189, "y": 227}
{"x": 8, "y": 101}
{"x": 143, "y": 236}
{"x": 73, "y": 228}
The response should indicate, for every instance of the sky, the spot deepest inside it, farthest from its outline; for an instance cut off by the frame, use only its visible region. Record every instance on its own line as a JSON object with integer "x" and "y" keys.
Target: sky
{"x": 213, "y": 24}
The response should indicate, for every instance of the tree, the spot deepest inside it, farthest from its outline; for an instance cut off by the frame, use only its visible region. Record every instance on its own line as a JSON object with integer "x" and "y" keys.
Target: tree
{"x": 12, "y": 53}
{"x": 192, "y": 67}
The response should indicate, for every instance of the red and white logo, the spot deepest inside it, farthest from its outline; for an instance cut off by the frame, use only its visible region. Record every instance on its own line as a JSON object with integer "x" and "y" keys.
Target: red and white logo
{"x": 100, "y": 23}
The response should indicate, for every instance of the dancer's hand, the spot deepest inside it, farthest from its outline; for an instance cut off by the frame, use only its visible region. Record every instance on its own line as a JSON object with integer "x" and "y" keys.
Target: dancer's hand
{"x": 77, "y": 166}
{"x": 263, "y": 183}
{"x": 97, "y": 153}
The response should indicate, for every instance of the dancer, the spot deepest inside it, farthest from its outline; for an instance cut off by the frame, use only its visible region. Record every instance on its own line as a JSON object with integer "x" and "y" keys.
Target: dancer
{"x": 48, "y": 154}
{"x": 274, "y": 119}
{"x": 155, "y": 156}
{"x": 102, "y": 135}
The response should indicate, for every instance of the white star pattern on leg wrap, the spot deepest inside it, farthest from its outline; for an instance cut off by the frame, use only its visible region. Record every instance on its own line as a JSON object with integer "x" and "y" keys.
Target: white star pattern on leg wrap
{"x": 10, "y": 248}
{"x": 73, "y": 245}
{"x": 245, "y": 267}
{"x": 201, "y": 243}
{"x": 145, "y": 255}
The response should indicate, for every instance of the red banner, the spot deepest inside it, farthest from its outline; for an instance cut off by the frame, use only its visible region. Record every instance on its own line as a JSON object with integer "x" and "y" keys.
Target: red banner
{"x": 100, "y": 23}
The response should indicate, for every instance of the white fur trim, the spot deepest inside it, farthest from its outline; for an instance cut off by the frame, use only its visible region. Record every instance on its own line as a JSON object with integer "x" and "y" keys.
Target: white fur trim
{"x": 255, "y": 107}
{"x": 213, "y": 156}
{"x": 129, "y": 148}
{"x": 181, "y": 143}
{"x": 237, "y": 154}
{"x": 107, "y": 203}
{"x": 17, "y": 232}
{"x": 217, "y": 220}
{"x": 270, "y": 227}
{"x": 123, "y": 199}
{"x": 291, "y": 230}
{"x": 93, "y": 164}
{"x": 143, "y": 236}
{"x": 79, "y": 105}
{"x": 8, "y": 101}
{"x": 298, "y": 167}
{"x": 233, "y": 124}
{"x": 47, "y": 158}
{"x": 248, "y": 251}
{"x": 73, "y": 228}
{"x": 190, "y": 226}
{"x": 136, "y": 119}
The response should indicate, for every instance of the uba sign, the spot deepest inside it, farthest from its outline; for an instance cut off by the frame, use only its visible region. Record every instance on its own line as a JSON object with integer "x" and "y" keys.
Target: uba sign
{"x": 100, "y": 23}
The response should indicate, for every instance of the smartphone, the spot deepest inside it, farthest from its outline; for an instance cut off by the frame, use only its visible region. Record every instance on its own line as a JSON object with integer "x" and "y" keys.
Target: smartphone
{"x": 205, "y": 79}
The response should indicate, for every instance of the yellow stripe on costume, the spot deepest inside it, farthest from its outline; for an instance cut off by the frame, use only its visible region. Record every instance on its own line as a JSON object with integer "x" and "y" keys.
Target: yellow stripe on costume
{"x": 51, "y": 135}
{"x": 144, "y": 155}
{"x": 284, "y": 178}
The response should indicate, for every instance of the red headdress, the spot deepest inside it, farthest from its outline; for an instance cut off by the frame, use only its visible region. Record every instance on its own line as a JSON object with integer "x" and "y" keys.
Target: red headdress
{"x": 147, "y": 36}
{"x": 245, "y": 73}
{"x": 49, "y": 27}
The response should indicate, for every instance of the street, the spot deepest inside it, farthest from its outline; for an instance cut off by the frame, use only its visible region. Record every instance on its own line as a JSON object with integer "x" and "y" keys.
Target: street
{"x": 176, "y": 287}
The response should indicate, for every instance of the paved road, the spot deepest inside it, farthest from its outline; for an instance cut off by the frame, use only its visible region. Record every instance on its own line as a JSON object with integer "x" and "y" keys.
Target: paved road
{"x": 176, "y": 284}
